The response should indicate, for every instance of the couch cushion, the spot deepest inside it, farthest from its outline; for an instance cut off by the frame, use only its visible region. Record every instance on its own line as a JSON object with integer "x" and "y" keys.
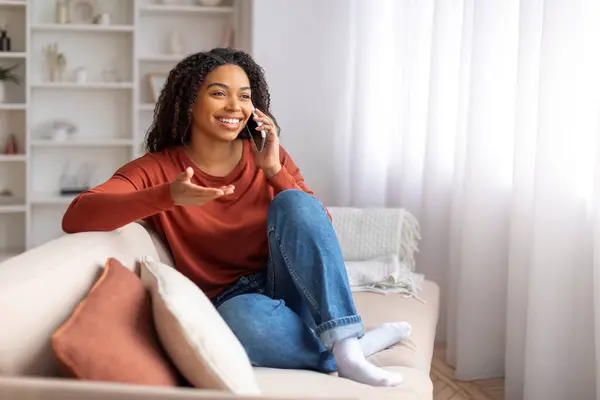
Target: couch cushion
{"x": 309, "y": 384}
{"x": 412, "y": 358}
{"x": 197, "y": 339}
{"x": 417, "y": 351}
{"x": 111, "y": 337}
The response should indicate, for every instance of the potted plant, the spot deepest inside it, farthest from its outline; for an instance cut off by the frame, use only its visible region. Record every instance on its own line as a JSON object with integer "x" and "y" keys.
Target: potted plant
{"x": 7, "y": 75}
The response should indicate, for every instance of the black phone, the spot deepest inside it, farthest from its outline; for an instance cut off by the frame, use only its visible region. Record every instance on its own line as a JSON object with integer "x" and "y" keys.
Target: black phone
{"x": 258, "y": 138}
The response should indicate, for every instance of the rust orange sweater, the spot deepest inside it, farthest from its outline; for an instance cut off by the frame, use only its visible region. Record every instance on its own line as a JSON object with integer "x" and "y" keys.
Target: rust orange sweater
{"x": 213, "y": 244}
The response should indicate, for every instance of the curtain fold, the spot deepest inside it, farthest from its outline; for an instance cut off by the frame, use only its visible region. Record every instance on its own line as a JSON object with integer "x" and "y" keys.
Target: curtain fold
{"x": 482, "y": 119}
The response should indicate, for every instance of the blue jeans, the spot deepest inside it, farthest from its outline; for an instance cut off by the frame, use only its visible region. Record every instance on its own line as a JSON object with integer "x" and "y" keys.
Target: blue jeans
{"x": 291, "y": 314}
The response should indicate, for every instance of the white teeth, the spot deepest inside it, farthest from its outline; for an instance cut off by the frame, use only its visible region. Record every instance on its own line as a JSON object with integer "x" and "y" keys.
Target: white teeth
{"x": 229, "y": 120}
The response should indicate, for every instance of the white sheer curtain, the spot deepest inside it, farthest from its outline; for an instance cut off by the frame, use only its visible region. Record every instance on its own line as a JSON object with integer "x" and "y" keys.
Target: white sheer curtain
{"x": 483, "y": 119}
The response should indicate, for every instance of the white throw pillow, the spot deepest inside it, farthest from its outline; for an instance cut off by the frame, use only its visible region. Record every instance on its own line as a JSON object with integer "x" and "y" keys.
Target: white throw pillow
{"x": 197, "y": 339}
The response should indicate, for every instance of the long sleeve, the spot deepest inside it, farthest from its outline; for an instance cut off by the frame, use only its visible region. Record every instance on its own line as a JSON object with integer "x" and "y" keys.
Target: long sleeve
{"x": 289, "y": 176}
{"x": 123, "y": 199}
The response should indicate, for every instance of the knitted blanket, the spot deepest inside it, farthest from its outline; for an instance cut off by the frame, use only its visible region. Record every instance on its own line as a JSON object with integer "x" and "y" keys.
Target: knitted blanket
{"x": 367, "y": 233}
{"x": 379, "y": 246}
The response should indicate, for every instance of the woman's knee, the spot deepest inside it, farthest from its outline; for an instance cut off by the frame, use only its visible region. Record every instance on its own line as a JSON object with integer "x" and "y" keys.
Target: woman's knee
{"x": 293, "y": 204}
{"x": 292, "y": 197}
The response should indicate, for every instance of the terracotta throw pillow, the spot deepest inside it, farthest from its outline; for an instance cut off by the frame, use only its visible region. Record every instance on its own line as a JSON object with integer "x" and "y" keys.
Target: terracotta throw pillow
{"x": 110, "y": 336}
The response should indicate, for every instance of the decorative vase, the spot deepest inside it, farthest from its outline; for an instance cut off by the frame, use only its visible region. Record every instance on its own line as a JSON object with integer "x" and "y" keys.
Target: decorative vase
{"x": 175, "y": 43}
{"x": 81, "y": 75}
{"x": 2, "y": 92}
{"x": 10, "y": 147}
{"x": 62, "y": 12}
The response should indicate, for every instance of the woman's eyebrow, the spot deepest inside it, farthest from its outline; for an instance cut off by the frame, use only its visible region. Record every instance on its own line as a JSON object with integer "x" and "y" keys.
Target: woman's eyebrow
{"x": 224, "y": 86}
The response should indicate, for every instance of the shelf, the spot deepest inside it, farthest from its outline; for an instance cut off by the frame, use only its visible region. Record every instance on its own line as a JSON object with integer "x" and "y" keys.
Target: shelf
{"x": 13, "y": 3}
{"x": 83, "y": 86}
{"x": 12, "y": 157}
{"x": 81, "y": 28}
{"x": 49, "y": 199}
{"x": 168, "y": 9}
{"x": 147, "y": 107}
{"x": 83, "y": 143}
{"x": 12, "y": 54}
{"x": 12, "y": 106}
{"x": 12, "y": 208}
{"x": 162, "y": 58}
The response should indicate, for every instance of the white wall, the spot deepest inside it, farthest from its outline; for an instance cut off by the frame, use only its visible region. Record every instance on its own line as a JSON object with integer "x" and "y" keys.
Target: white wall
{"x": 299, "y": 48}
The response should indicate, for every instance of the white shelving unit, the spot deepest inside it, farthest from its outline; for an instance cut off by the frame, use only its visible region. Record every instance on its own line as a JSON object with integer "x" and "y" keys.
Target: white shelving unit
{"x": 111, "y": 115}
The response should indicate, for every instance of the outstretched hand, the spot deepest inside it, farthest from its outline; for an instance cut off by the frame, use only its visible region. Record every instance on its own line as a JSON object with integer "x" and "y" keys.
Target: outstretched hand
{"x": 186, "y": 193}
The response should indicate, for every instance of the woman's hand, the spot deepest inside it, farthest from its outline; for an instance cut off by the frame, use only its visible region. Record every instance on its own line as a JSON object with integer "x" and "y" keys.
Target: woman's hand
{"x": 185, "y": 193}
{"x": 268, "y": 159}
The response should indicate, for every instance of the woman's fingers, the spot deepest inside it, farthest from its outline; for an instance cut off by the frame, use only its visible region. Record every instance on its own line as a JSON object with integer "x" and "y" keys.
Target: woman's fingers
{"x": 267, "y": 123}
{"x": 262, "y": 117}
{"x": 186, "y": 193}
{"x": 203, "y": 191}
{"x": 227, "y": 189}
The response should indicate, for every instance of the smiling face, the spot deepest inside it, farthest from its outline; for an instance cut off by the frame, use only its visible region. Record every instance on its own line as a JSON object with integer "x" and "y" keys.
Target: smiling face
{"x": 223, "y": 105}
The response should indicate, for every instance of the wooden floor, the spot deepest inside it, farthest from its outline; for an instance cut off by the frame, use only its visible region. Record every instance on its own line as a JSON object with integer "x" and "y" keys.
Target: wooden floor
{"x": 445, "y": 387}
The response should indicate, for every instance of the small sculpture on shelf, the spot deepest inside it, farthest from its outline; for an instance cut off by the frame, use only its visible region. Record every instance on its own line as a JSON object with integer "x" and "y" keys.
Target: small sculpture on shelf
{"x": 56, "y": 61}
{"x": 58, "y": 130}
{"x": 6, "y": 196}
{"x": 81, "y": 75}
{"x": 11, "y": 147}
{"x": 103, "y": 19}
{"x": 73, "y": 184}
{"x": 76, "y": 11}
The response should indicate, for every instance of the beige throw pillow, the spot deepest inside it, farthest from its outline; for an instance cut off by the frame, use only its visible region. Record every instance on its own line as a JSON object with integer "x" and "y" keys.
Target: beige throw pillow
{"x": 197, "y": 339}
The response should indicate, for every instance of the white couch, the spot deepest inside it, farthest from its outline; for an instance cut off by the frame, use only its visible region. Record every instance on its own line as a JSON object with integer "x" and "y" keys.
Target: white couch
{"x": 40, "y": 288}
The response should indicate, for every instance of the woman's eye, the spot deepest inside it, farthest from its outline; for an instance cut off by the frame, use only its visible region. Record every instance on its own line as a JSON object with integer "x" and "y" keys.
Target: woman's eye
{"x": 245, "y": 96}
{"x": 219, "y": 94}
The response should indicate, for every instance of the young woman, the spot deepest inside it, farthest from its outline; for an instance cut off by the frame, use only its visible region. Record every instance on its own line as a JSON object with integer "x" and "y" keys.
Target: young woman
{"x": 241, "y": 224}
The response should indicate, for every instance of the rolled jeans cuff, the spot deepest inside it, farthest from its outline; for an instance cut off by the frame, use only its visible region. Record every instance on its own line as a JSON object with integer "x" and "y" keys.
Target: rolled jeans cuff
{"x": 339, "y": 329}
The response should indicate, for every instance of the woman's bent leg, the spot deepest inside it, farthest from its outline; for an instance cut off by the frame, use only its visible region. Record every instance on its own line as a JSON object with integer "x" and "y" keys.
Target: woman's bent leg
{"x": 273, "y": 335}
{"x": 305, "y": 256}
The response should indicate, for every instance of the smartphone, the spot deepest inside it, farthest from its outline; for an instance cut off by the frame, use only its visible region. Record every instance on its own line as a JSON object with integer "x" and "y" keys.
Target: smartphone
{"x": 258, "y": 138}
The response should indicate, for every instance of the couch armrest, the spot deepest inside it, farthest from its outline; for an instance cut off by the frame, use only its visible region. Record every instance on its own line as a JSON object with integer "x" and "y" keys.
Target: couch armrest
{"x": 40, "y": 288}
{"x": 163, "y": 251}
{"x": 63, "y": 389}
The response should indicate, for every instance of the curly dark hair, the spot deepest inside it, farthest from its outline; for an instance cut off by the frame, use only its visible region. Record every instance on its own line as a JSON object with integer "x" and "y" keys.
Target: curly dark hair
{"x": 173, "y": 111}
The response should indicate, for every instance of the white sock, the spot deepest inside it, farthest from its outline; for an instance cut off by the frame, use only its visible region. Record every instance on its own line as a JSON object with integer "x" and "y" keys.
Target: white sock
{"x": 384, "y": 336}
{"x": 351, "y": 364}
